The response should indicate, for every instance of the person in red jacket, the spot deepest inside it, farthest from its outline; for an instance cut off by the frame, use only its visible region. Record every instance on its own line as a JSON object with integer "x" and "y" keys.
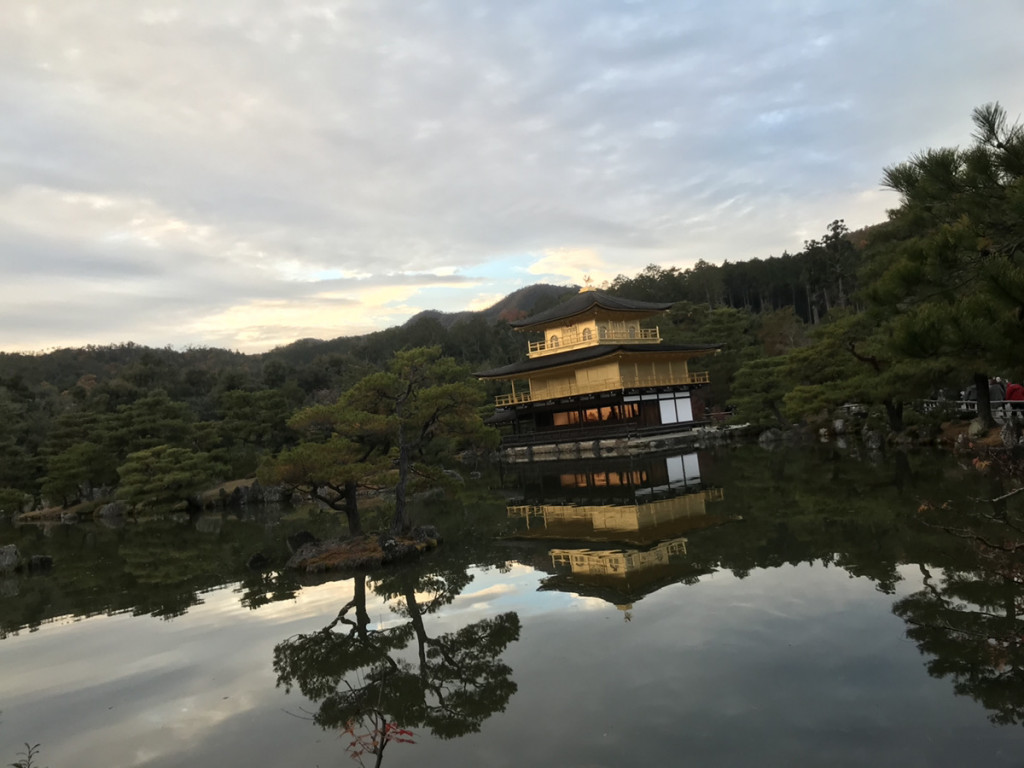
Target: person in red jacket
{"x": 1015, "y": 394}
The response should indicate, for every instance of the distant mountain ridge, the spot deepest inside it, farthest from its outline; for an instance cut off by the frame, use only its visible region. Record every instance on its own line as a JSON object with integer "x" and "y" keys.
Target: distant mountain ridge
{"x": 520, "y": 303}
{"x": 426, "y": 328}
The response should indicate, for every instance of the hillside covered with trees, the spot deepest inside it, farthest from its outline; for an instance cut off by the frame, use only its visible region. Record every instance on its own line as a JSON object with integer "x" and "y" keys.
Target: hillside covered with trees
{"x": 931, "y": 299}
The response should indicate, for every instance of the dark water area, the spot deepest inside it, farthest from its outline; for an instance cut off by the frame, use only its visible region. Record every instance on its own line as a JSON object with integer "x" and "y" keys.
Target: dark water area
{"x": 737, "y": 607}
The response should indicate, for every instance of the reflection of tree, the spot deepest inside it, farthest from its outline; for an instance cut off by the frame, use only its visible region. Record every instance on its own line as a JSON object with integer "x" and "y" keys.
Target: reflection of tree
{"x": 460, "y": 680}
{"x": 323, "y": 663}
{"x": 259, "y": 588}
{"x": 971, "y": 618}
{"x": 819, "y": 505}
{"x": 448, "y": 684}
{"x": 160, "y": 567}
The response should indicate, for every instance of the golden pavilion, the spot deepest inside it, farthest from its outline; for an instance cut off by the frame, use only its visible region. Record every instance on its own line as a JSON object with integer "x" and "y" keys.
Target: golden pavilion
{"x": 599, "y": 372}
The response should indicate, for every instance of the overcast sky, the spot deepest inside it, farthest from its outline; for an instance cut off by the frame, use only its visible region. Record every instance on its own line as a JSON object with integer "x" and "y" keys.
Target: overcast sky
{"x": 244, "y": 173}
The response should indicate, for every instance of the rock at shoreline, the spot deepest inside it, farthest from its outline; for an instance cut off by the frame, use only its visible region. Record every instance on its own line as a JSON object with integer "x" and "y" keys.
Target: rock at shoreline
{"x": 112, "y": 511}
{"x": 300, "y": 539}
{"x": 258, "y": 562}
{"x": 11, "y": 562}
{"x": 9, "y": 558}
{"x": 873, "y": 439}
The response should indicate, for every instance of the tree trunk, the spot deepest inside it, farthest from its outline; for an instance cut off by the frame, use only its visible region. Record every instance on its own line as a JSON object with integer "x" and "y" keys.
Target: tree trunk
{"x": 359, "y": 598}
{"x": 355, "y": 527}
{"x": 894, "y": 410}
{"x": 400, "y": 523}
{"x": 416, "y": 616}
{"x": 776, "y": 411}
{"x": 984, "y": 401}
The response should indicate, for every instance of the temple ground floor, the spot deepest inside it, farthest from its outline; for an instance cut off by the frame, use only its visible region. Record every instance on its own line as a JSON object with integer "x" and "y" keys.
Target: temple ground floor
{"x": 619, "y": 422}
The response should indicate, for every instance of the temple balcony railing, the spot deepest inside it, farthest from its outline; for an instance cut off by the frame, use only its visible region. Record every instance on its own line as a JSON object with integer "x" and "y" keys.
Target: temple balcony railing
{"x": 587, "y": 338}
{"x": 608, "y": 385}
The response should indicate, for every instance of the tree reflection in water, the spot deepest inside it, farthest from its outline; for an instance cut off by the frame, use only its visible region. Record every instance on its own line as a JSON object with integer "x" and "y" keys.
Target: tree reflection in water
{"x": 969, "y": 616}
{"x": 378, "y": 685}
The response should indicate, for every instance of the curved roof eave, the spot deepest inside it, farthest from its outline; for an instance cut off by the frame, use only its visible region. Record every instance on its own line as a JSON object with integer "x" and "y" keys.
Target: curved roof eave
{"x": 585, "y": 301}
{"x": 586, "y": 354}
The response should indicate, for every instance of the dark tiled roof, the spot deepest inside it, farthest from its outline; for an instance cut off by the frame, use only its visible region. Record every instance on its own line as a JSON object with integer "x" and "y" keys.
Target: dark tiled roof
{"x": 585, "y": 354}
{"x": 587, "y": 300}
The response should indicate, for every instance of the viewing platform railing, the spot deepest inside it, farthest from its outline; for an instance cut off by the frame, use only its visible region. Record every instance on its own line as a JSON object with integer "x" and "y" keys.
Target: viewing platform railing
{"x": 1001, "y": 409}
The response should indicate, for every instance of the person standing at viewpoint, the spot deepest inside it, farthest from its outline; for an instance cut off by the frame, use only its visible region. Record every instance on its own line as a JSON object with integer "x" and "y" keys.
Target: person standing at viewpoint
{"x": 1015, "y": 395}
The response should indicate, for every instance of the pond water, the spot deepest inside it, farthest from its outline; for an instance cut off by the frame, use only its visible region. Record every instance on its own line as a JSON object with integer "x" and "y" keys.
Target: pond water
{"x": 741, "y": 607}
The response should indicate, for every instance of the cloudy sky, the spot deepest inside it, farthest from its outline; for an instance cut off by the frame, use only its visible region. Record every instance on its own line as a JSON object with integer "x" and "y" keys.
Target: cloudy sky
{"x": 244, "y": 173}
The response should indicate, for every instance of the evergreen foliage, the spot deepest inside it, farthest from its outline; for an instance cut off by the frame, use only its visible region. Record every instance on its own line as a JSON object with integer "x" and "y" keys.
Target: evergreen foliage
{"x": 429, "y": 406}
{"x": 163, "y": 477}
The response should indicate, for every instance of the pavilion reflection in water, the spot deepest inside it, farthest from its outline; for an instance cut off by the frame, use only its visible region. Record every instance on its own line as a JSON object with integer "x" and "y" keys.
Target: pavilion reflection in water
{"x": 621, "y": 524}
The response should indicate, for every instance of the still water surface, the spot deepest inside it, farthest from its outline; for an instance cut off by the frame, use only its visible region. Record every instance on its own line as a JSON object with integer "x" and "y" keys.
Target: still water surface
{"x": 732, "y": 608}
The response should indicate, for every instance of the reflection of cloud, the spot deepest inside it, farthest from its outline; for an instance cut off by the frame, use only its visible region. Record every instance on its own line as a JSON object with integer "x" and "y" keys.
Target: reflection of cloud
{"x": 311, "y": 601}
{"x": 584, "y": 603}
{"x": 485, "y": 595}
{"x": 169, "y": 687}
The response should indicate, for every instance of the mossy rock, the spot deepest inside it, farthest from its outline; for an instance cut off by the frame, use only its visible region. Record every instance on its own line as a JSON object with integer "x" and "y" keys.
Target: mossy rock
{"x": 361, "y": 552}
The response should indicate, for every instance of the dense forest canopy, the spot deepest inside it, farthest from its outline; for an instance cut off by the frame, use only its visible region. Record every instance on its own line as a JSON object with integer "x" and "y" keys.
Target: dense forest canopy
{"x": 925, "y": 302}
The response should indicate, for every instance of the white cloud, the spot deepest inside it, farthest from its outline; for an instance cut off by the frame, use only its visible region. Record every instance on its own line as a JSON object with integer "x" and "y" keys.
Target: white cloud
{"x": 484, "y": 301}
{"x": 225, "y": 156}
{"x": 573, "y": 265}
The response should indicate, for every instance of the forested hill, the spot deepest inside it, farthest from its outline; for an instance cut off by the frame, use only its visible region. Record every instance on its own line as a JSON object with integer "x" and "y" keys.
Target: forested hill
{"x": 71, "y": 419}
{"x": 807, "y": 285}
{"x": 811, "y": 282}
{"x": 304, "y": 359}
{"x": 931, "y": 299}
{"x": 479, "y": 338}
